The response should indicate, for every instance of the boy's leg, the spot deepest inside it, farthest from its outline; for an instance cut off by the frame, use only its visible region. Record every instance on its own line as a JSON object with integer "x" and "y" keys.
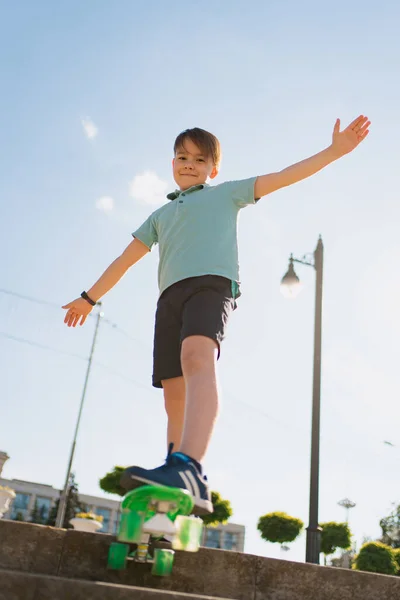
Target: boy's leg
{"x": 190, "y": 325}
{"x": 198, "y": 360}
{"x": 174, "y": 399}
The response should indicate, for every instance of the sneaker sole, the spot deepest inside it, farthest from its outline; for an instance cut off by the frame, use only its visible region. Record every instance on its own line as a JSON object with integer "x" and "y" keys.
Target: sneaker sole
{"x": 201, "y": 507}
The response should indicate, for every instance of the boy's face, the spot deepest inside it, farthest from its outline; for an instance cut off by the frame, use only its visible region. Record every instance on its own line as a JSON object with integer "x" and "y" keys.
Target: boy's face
{"x": 191, "y": 167}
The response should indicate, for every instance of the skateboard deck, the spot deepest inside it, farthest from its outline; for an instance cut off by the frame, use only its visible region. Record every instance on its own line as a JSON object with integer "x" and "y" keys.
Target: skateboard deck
{"x": 150, "y": 513}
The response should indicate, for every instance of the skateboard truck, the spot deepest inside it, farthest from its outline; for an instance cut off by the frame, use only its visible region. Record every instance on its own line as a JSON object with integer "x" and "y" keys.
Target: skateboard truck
{"x": 155, "y": 511}
{"x": 160, "y": 525}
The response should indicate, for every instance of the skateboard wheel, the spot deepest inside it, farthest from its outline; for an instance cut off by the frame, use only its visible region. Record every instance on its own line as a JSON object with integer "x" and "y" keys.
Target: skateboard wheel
{"x": 130, "y": 529}
{"x": 163, "y": 561}
{"x": 188, "y": 534}
{"x": 117, "y": 556}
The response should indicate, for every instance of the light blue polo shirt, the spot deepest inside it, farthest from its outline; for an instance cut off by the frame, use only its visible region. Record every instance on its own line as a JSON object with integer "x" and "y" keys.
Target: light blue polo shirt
{"x": 197, "y": 232}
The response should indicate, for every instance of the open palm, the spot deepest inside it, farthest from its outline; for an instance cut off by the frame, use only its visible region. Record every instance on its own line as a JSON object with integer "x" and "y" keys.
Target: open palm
{"x": 345, "y": 141}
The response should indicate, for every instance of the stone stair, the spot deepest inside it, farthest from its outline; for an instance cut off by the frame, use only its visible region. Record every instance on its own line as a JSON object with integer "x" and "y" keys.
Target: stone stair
{"x": 41, "y": 562}
{"x": 15, "y": 585}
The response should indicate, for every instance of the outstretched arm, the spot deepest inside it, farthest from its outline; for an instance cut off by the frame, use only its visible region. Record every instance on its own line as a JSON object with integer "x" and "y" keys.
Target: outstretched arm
{"x": 343, "y": 142}
{"x": 78, "y": 310}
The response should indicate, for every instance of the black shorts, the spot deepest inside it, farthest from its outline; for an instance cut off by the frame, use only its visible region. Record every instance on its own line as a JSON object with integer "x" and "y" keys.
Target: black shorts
{"x": 194, "y": 306}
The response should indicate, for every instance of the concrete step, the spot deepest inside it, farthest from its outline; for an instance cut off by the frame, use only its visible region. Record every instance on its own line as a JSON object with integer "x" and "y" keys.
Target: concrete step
{"x": 217, "y": 573}
{"x": 15, "y": 585}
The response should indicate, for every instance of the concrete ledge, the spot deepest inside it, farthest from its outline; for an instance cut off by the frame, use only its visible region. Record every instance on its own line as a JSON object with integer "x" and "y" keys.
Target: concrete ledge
{"x": 284, "y": 580}
{"x": 32, "y": 548}
{"x": 217, "y": 573}
{"x": 15, "y": 585}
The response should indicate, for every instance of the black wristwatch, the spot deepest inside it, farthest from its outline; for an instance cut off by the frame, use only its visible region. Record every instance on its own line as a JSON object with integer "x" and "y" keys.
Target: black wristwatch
{"x": 86, "y": 297}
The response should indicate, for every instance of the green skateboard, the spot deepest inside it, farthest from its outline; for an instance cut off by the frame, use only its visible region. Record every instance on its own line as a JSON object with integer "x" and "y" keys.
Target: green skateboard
{"x": 151, "y": 512}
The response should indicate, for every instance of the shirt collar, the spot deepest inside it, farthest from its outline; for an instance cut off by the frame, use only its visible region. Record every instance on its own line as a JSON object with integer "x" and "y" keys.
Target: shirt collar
{"x": 174, "y": 195}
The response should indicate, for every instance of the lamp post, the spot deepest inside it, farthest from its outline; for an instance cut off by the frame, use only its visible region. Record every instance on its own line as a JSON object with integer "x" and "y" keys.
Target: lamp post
{"x": 64, "y": 496}
{"x": 290, "y": 286}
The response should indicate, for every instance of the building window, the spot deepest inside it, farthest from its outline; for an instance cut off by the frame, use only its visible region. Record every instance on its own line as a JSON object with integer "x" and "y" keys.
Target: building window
{"x": 106, "y": 514}
{"x": 19, "y": 509}
{"x": 230, "y": 540}
{"x": 43, "y": 507}
{"x": 116, "y": 523}
{"x": 213, "y": 538}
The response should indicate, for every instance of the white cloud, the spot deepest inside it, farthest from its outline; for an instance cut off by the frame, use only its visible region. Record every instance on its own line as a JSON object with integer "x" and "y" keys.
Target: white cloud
{"x": 105, "y": 204}
{"x": 89, "y": 128}
{"x": 148, "y": 188}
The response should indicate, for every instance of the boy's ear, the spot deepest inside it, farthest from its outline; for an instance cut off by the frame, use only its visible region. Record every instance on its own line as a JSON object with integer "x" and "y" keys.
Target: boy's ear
{"x": 214, "y": 173}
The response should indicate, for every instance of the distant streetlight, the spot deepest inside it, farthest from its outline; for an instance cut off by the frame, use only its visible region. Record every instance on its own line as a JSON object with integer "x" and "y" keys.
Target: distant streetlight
{"x": 347, "y": 504}
{"x": 290, "y": 287}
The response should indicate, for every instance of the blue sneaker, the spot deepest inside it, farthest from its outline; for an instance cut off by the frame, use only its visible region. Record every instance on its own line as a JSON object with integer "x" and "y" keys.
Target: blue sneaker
{"x": 178, "y": 471}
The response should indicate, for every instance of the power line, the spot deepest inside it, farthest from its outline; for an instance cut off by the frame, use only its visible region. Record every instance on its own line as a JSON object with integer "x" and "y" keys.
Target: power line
{"x": 56, "y": 350}
{"x": 130, "y": 379}
{"x": 58, "y": 307}
{"x": 126, "y": 334}
{"x": 136, "y": 340}
{"x": 144, "y": 386}
{"x": 30, "y": 299}
{"x": 38, "y": 345}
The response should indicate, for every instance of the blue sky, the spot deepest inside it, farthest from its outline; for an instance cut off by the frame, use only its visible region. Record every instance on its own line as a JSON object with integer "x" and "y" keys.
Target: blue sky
{"x": 94, "y": 95}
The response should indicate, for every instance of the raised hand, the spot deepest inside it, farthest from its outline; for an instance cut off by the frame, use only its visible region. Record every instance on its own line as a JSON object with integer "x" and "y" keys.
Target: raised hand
{"x": 345, "y": 141}
{"x": 78, "y": 311}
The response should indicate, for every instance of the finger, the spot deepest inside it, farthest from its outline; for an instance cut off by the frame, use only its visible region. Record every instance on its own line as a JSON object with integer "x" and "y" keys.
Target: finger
{"x": 361, "y": 124}
{"x": 67, "y": 305}
{"x": 363, "y": 136}
{"x": 364, "y": 127}
{"x": 67, "y": 316}
{"x": 356, "y": 122}
{"x": 83, "y": 319}
{"x": 71, "y": 319}
{"x": 75, "y": 321}
{"x": 336, "y": 128}
{"x": 362, "y": 133}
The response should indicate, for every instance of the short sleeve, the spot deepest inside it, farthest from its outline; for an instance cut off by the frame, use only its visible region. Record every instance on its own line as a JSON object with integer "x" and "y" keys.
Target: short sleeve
{"x": 242, "y": 192}
{"x": 147, "y": 233}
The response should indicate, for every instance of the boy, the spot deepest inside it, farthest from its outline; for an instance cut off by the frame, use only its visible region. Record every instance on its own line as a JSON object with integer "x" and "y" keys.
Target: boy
{"x": 198, "y": 279}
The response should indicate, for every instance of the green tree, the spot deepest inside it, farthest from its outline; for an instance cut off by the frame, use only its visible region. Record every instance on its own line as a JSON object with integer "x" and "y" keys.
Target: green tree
{"x": 279, "y": 527}
{"x": 19, "y": 516}
{"x": 110, "y": 482}
{"x": 397, "y": 559}
{"x": 222, "y": 511}
{"x": 73, "y": 505}
{"x": 333, "y": 536}
{"x": 222, "y": 508}
{"x": 38, "y": 515}
{"x": 391, "y": 529}
{"x": 376, "y": 557}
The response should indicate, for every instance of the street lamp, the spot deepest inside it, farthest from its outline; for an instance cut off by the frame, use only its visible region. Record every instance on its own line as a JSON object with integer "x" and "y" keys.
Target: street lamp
{"x": 290, "y": 287}
{"x": 290, "y": 284}
{"x": 347, "y": 504}
{"x": 62, "y": 507}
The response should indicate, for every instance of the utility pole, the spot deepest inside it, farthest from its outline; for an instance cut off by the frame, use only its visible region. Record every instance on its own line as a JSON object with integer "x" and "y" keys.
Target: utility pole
{"x": 64, "y": 496}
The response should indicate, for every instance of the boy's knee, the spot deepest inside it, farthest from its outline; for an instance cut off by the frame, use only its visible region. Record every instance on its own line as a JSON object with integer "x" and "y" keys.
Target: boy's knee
{"x": 197, "y": 354}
